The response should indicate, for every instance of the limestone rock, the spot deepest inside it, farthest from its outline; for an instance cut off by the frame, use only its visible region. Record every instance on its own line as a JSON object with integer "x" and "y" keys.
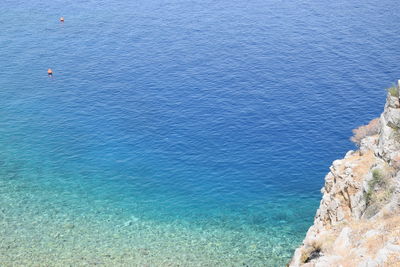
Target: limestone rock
{"x": 358, "y": 220}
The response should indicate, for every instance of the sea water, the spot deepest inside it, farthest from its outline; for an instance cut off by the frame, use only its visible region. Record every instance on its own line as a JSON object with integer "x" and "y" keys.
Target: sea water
{"x": 179, "y": 133}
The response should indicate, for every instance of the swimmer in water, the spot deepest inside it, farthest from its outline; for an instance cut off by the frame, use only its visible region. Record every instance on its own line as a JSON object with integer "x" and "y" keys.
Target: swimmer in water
{"x": 50, "y": 72}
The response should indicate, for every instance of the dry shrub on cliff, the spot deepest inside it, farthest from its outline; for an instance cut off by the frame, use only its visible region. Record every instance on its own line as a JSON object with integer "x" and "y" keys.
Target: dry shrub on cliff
{"x": 363, "y": 131}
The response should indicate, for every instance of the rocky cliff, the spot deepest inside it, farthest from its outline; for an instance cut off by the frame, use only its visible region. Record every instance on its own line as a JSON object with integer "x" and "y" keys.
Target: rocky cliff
{"x": 358, "y": 220}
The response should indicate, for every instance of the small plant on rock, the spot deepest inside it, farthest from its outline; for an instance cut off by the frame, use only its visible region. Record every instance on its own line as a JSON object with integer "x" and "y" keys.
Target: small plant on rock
{"x": 377, "y": 179}
{"x": 379, "y": 192}
{"x": 393, "y": 91}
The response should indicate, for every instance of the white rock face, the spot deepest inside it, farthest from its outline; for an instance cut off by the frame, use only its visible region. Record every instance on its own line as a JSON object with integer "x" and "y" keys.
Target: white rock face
{"x": 358, "y": 220}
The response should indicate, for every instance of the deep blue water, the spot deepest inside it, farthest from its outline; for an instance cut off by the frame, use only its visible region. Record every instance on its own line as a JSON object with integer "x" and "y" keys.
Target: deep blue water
{"x": 192, "y": 111}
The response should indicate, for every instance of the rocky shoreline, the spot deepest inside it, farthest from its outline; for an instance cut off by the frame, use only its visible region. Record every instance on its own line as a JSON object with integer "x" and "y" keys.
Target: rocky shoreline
{"x": 358, "y": 220}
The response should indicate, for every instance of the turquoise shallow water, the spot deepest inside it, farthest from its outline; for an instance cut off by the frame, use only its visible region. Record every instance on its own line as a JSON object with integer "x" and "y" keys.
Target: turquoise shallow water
{"x": 190, "y": 133}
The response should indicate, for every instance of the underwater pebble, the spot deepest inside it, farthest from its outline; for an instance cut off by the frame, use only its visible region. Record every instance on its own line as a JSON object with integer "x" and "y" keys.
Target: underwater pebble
{"x": 128, "y": 223}
{"x": 69, "y": 226}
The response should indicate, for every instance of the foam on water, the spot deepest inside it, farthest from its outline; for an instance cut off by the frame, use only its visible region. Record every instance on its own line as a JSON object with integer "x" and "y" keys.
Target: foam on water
{"x": 181, "y": 132}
